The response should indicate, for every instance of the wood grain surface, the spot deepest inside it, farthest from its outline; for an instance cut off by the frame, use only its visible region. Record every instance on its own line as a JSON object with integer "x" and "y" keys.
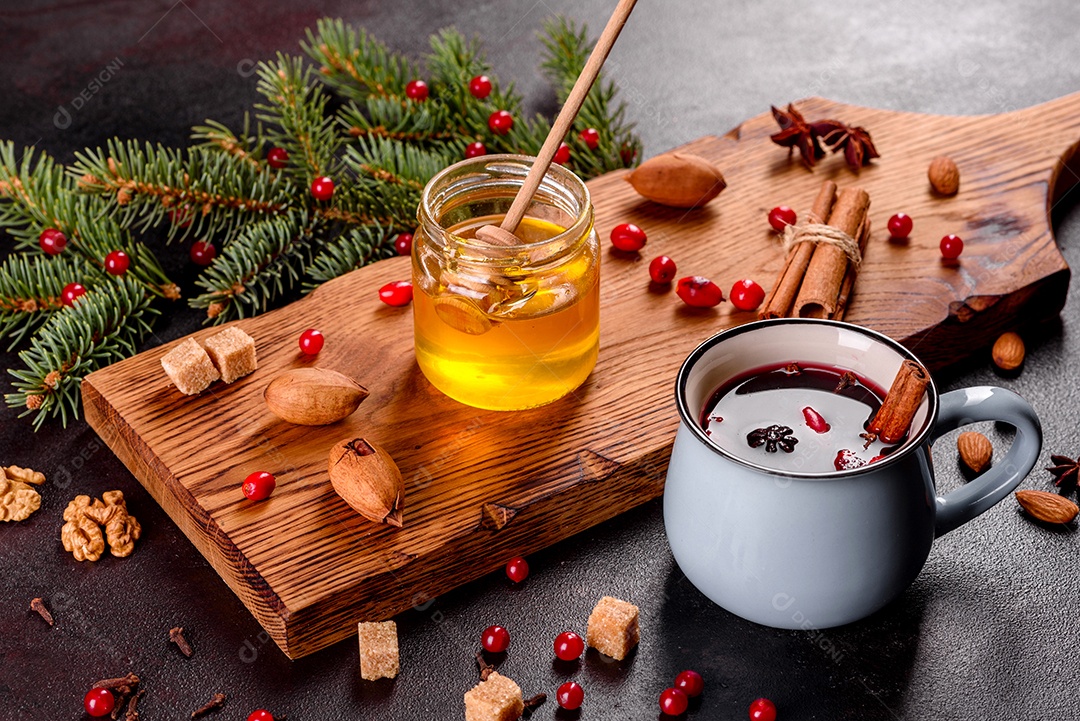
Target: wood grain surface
{"x": 483, "y": 486}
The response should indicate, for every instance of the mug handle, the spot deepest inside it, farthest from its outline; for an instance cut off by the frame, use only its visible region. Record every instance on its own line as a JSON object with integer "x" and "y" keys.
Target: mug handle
{"x": 987, "y": 403}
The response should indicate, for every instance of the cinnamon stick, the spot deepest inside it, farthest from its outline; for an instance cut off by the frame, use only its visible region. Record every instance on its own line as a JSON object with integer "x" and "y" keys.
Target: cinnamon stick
{"x": 893, "y": 419}
{"x": 828, "y": 265}
{"x": 780, "y": 298}
{"x": 849, "y": 276}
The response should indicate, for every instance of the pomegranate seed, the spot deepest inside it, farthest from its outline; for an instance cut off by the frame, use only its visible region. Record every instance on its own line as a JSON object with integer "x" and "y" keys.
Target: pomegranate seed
{"x": 591, "y": 138}
{"x": 762, "y": 709}
{"x": 397, "y": 293}
{"x": 815, "y": 421}
{"x": 311, "y": 342}
{"x": 322, "y": 188}
{"x": 495, "y": 639}
{"x": 202, "y": 252}
{"x": 628, "y": 237}
{"x": 900, "y": 225}
{"x": 480, "y": 87}
{"x": 416, "y": 90}
{"x": 846, "y": 460}
{"x": 746, "y": 295}
{"x": 117, "y": 262}
{"x": 662, "y": 269}
{"x": 951, "y": 247}
{"x": 52, "y": 241}
{"x": 690, "y": 683}
{"x": 258, "y": 486}
{"x": 260, "y": 715}
{"x": 517, "y": 569}
{"x": 781, "y": 217}
{"x": 569, "y": 646}
{"x": 673, "y": 702}
{"x": 99, "y": 702}
{"x": 500, "y": 122}
{"x": 403, "y": 243}
{"x": 277, "y": 158}
{"x": 562, "y": 155}
{"x": 699, "y": 292}
{"x": 570, "y": 695}
{"x": 875, "y": 459}
{"x": 71, "y": 293}
{"x": 475, "y": 150}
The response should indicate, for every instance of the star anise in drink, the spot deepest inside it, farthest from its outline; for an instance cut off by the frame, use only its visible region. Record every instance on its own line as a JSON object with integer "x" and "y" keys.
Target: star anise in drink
{"x": 795, "y": 132}
{"x": 1065, "y": 471}
{"x": 773, "y": 437}
{"x": 858, "y": 148}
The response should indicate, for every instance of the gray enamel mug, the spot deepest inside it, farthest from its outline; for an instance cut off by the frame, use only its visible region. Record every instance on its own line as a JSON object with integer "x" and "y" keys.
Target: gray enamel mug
{"x": 800, "y": 550}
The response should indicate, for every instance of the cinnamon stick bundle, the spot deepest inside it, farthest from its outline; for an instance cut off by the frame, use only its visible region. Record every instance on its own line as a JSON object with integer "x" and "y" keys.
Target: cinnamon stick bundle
{"x": 893, "y": 419}
{"x": 782, "y": 296}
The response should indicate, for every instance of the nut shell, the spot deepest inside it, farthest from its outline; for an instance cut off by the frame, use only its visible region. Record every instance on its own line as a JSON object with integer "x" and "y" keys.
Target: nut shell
{"x": 1008, "y": 351}
{"x": 944, "y": 175}
{"x": 1047, "y": 507}
{"x": 367, "y": 478}
{"x": 679, "y": 180}
{"x": 313, "y": 396}
{"x": 975, "y": 450}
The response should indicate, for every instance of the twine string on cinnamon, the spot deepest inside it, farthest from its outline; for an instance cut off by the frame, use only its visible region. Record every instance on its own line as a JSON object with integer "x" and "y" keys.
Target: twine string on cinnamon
{"x": 819, "y": 233}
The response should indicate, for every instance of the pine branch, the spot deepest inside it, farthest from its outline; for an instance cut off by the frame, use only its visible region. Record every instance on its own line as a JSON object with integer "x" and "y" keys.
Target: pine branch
{"x": 35, "y": 193}
{"x": 390, "y": 176}
{"x": 352, "y": 249}
{"x": 355, "y": 64}
{"x": 246, "y": 145}
{"x": 30, "y": 287}
{"x": 103, "y": 326}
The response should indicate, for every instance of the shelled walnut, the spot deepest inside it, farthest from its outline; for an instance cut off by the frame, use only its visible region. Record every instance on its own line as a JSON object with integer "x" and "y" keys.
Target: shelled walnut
{"x": 82, "y": 536}
{"x": 17, "y": 499}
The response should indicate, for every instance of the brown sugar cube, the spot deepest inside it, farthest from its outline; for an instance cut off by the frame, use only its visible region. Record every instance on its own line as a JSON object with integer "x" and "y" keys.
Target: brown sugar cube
{"x": 378, "y": 650}
{"x": 189, "y": 367}
{"x": 496, "y": 699}
{"x": 613, "y": 627}
{"x": 233, "y": 352}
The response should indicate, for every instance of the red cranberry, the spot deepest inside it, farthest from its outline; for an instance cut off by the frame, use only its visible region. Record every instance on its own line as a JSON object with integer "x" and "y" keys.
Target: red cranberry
{"x": 480, "y": 87}
{"x": 500, "y": 122}
{"x": 260, "y": 715}
{"x": 690, "y": 683}
{"x": 570, "y": 695}
{"x": 562, "y": 155}
{"x": 117, "y": 262}
{"x": 71, "y": 293}
{"x": 397, "y": 293}
{"x": 662, "y": 269}
{"x": 699, "y": 292}
{"x": 815, "y": 421}
{"x": 258, "y": 486}
{"x": 52, "y": 241}
{"x": 403, "y": 243}
{"x": 322, "y": 188}
{"x": 277, "y": 158}
{"x": 627, "y": 154}
{"x": 762, "y": 709}
{"x": 202, "y": 252}
{"x": 900, "y": 225}
{"x": 517, "y": 569}
{"x": 591, "y": 137}
{"x": 781, "y": 217}
{"x": 846, "y": 460}
{"x": 673, "y": 702}
{"x": 569, "y": 646}
{"x": 99, "y": 702}
{"x": 475, "y": 150}
{"x": 495, "y": 639}
{"x": 181, "y": 217}
{"x": 416, "y": 90}
{"x": 746, "y": 295}
{"x": 951, "y": 247}
{"x": 311, "y": 342}
{"x": 628, "y": 237}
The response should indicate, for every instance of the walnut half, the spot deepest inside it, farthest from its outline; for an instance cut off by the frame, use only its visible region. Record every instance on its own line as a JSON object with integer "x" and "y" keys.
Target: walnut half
{"x": 17, "y": 500}
{"x": 82, "y": 536}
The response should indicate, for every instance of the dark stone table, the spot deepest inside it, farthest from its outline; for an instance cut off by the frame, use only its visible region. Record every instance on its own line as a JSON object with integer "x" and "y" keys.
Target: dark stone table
{"x": 988, "y": 631}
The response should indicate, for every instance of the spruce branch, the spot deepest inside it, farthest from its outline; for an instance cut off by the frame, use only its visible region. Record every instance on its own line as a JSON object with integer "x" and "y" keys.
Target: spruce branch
{"x": 247, "y": 145}
{"x": 355, "y": 64}
{"x": 30, "y": 287}
{"x": 352, "y": 249}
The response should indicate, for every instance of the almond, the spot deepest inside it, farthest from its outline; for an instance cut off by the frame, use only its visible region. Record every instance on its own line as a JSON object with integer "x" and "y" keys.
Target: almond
{"x": 677, "y": 179}
{"x": 975, "y": 450}
{"x": 1008, "y": 351}
{"x": 367, "y": 478}
{"x": 1047, "y": 507}
{"x": 313, "y": 396}
{"x": 944, "y": 175}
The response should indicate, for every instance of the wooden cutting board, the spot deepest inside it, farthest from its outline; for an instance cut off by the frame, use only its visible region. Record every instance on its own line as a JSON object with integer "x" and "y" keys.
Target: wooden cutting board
{"x": 484, "y": 486}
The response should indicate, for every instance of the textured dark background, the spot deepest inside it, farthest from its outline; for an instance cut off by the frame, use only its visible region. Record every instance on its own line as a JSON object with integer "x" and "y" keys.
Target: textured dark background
{"x": 988, "y": 631}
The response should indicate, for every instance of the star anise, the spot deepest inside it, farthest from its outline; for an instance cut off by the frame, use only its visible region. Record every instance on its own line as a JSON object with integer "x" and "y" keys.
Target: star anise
{"x": 772, "y": 437}
{"x": 1065, "y": 471}
{"x": 795, "y": 132}
{"x": 858, "y": 148}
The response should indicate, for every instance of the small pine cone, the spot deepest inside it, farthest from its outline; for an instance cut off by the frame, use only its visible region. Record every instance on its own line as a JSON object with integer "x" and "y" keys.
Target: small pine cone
{"x": 215, "y": 309}
{"x": 52, "y": 379}
{"x": 171, "y": 291}
{"x": 123, "y": 196}
{"x": 34, "y": 402}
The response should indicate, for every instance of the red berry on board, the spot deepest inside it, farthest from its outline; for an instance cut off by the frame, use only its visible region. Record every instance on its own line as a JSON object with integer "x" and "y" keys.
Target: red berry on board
{"x": 591, "y": 137}
{"x": 762, "y": 709}
{"x": 416, "y": 90}
{"x": 258, "y": 486}
{"x": 673, "y": 702}
{"x": 846, "y": 460}
{"x": 99, "y": 702}
{"x": 117, "y": 262}
{"x": 322, "y": 188}
{"x": 71, "y": 292}
{"x": 781, "y": 217}
{"x": 628, "y": 237}
{"x": 699, "y": 292}
{"x": 260, "y": 715}
{"x": 570, "y": 695}
{"x": 500, "y": 122}
{"x": 403, "y": 243}
{"x": 951, "y": 247}
{"x": 815, "y": 421}
{"x": 475, "y": 150}
{"x": 517, "y": 569}
{"x": 562, "y": 155}
{"x": 569, "y": 646}
{"x": 690, "y": 683}
{"x": 277, "y": 158}
{"x": 495, "y": 639}
{"x": 900, "y": 225}
{"x": 311, "y": 342}
{"x": 52, "y": 241}
{"x": 397, "y": 293}
{"x": 746, "y": 295}
{"x": 202, "y": 252}
{"x": 480, "y": 87}
{"x": 662, "y": 269}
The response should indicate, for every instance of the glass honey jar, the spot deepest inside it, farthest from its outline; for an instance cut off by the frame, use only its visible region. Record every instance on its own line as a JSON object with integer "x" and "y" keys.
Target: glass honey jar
{"x": 505, "y": 327}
